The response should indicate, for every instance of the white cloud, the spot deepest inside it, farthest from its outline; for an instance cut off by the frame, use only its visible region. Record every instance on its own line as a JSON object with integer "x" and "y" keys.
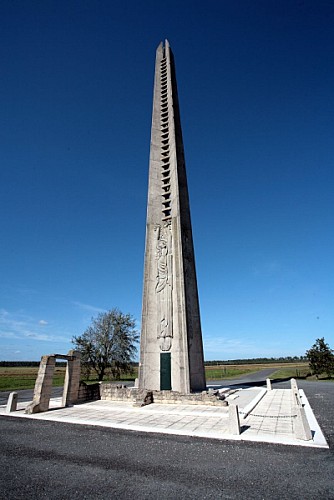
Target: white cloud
{"x": 88, "y": 307}
{"x": 8, "y": 335}
{"x": 42, "y": 322}
{"x": 242, "y": 348}
{"x": 40, "y": 336}
{"x": 20, "y": 326}
{"x": 225, "y": 345}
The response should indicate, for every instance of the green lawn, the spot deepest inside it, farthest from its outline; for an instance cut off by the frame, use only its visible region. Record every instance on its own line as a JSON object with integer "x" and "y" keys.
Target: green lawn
{"x": 301, "y": 372}
{"x": 291, "y": 372}
{"x": 15, "y": 378}
{"x": 218, "y": 373}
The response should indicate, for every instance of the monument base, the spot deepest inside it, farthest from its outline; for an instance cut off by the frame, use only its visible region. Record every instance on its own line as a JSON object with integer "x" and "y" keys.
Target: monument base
{"x": 142, "y": 397}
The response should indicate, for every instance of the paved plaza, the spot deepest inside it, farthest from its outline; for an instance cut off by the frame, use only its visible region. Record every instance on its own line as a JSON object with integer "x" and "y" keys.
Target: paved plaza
{"x": 265, "y": 416}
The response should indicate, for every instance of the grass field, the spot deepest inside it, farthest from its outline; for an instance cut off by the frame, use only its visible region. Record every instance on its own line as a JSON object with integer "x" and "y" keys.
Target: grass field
{"x": 15, "y": 378}
{"x": 295, "y": 370}
{"x": 300, "y": 371}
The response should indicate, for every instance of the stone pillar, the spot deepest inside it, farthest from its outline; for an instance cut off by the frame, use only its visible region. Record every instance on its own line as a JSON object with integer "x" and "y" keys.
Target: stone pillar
{"x": 12, "y": 402}
{"x": 43, "y": 386}
{"x": 72, "y": 379}
{"x": 234, "y": 422}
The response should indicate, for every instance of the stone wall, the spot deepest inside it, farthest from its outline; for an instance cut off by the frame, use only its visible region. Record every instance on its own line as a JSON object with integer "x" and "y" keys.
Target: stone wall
{"x": 210, "y": 398}
{"x": 88, "y": 392}
{"x": 111, "y": 392}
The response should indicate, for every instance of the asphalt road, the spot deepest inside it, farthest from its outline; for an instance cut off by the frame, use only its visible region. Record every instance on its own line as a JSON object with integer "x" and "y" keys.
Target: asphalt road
{"x": 53, "y": 460}
{"x": 257, "y": 378}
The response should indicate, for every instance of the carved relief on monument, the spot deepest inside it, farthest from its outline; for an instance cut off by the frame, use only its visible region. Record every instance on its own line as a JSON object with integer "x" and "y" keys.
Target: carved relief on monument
{"x": 164, "y": 285}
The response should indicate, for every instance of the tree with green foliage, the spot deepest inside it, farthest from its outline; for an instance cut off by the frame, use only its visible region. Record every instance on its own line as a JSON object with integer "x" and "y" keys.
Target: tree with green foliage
{"x": 109, "y": 344}
{"x": 321, "y": 358}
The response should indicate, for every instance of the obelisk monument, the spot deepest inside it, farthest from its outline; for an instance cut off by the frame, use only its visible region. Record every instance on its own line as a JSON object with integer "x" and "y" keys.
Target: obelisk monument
{"x": 171, "y": 350}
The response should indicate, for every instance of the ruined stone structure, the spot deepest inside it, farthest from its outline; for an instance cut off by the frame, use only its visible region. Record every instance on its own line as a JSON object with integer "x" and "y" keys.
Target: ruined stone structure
{"x": 171, "y": 351}
{"x": 43, "y": 385}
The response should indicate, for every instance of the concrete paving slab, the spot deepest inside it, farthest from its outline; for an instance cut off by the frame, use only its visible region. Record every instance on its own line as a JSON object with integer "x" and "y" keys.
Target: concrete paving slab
{"x": 246, "y": 398}
{"x": 264, "y": 417}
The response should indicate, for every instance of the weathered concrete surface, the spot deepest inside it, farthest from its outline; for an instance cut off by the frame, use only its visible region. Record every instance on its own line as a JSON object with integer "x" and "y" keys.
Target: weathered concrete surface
{"x": 170, "y": 316}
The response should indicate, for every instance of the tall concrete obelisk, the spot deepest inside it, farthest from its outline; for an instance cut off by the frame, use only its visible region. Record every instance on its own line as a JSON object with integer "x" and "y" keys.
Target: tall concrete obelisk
{"x": 171, "y": 350}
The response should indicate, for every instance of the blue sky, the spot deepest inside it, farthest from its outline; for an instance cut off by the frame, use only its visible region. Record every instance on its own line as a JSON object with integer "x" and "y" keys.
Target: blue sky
{"x": 255, "y": 85}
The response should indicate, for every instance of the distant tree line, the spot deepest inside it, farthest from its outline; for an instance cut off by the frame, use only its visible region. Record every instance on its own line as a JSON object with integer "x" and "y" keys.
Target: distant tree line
{"x": 11, "y": 364}
{"x": 250, "y": 361}
{"x": 253, "y": 361}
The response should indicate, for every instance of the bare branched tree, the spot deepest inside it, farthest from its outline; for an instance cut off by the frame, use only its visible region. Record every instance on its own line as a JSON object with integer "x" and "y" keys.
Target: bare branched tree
{"x": 109, "y": 343}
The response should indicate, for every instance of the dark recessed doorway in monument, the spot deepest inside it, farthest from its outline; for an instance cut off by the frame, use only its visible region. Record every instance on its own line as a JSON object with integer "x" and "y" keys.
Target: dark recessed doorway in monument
{"x": 165, "y": 371}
